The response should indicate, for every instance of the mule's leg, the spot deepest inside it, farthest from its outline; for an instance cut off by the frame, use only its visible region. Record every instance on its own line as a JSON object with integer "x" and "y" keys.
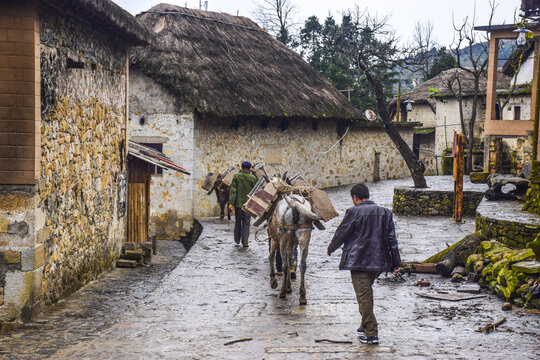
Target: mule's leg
{"x": 283, "y": 247}
{"x": 228, "y": 212}
{"x": 272, "y": 260}
{"x": 290, "y": 252}
{"x": 222, "y": 212}
{"x": 303, "y": 245}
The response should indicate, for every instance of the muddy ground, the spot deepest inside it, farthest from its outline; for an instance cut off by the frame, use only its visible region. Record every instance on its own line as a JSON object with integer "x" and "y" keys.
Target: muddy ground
{"x": 219, "y": 293}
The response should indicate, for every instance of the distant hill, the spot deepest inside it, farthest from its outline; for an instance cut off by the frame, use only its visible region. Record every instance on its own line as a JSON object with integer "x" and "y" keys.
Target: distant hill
{"x": 506, "y": 47}
{"x": 411, "y": 79}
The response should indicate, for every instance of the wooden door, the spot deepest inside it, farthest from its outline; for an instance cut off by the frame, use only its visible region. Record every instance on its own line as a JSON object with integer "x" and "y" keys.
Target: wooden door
{"x": 138, "y": 200}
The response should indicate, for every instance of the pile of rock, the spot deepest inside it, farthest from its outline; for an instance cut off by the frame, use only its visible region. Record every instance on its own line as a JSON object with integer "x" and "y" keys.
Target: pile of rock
{"x": 512, "y": 274}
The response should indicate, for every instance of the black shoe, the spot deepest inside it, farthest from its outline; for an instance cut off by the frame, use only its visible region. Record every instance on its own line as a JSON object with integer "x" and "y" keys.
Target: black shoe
{"x": 245, "y": 245}
{"x": 237, "y": 241}
{"x": 360, "y": 331}
{"x": 370, "y": 340}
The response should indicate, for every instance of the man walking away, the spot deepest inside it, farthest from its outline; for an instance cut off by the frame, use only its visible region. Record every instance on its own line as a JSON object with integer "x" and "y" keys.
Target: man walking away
{"x": 242, "y": 183}
{"x": 368, "y": 236}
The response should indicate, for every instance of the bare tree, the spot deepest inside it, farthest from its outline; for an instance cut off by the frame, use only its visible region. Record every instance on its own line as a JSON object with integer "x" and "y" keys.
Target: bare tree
{"x": 276, "y": 17}
{"x": 475, "y": 56}
{"x": 371, "y": 46}
{"x": 423, "y": 47}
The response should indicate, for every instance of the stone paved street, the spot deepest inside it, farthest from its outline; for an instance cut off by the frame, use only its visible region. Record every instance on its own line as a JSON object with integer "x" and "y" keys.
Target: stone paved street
{"x": 220, "y": 292}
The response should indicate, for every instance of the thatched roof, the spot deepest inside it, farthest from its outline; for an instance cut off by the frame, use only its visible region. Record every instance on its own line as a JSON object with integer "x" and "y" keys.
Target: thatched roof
{"x": 446, "y": 80}
{"x": 105, "y": 14}
{"x": 227, "y": 66}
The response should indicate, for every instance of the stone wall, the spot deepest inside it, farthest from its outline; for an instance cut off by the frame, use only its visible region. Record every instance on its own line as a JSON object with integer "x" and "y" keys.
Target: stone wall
{"x": 425, "y": 202}
{"x": 532, "y": 204}
{"x": 507, "y": 223}
{"x": 155, "y": 118}
{"x": 59, "y": 234}
{"x": 294, "y": 146}
{"x": 83, "y": 83}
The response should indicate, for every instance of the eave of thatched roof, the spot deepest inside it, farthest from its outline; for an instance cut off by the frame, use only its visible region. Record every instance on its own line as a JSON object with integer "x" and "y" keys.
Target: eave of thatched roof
{"x": 442, "y": 84}
{"x": 227, "y": 66}
{"x": 105, "y": 14}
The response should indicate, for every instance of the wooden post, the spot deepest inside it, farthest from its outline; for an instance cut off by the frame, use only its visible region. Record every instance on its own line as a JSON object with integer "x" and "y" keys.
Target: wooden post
{"x": 459, "y": 169}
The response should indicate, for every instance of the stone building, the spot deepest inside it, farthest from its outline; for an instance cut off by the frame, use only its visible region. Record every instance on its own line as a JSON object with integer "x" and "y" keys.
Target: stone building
{"x": 215, "y": 89}
{"x": 63, "y": 132}
{"x": 437, "y": 108}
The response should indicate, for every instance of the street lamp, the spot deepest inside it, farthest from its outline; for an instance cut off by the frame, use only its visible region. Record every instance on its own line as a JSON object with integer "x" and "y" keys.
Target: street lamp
{"x": 522, "y": 39}
{"x": 409, "y": 103}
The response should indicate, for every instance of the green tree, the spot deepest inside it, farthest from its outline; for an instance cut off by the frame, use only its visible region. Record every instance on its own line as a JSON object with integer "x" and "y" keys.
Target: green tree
{"x": 442, "y": 61}
{"x": 371, "y": 48}
{"x": 316, "y": 44}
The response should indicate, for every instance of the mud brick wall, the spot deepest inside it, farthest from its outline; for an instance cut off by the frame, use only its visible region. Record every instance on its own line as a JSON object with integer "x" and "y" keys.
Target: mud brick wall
{"x": 532, "y": 204}
{"x": 83, "y": 86}
{"x": 425, "y": 202}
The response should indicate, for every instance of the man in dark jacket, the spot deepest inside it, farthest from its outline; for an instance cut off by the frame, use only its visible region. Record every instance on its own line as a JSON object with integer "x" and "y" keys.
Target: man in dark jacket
{"x": 241, "y": 185}
{"x": 368, "y": 236}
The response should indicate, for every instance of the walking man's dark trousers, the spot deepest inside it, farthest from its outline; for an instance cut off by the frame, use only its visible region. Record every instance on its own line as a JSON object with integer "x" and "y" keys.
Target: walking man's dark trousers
{"x": 241, "y": 226}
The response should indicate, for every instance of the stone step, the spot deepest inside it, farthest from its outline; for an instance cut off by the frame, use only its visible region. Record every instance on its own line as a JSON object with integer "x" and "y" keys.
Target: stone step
{"x": 132, "y": 254}
{"x": 126, "y": 263}
{"x": 131, "y": 246}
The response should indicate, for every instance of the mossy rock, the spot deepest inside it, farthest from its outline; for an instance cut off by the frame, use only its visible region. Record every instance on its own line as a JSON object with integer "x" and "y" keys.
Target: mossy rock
{"x": 498, "y": 266}
{"x": 520, "y": 255}
{"x": 478, "y": 266}
{"x": 490, "y": 245}
{"x": 488, "y": 270}
{"x": 535, "y": 247}
{"x": 496, "y": 253}
{"x": 512, "y": 282}
{"x": 472, "y": 260}
{"x": 527, "y": 267}
{"x": 479, "y": 177}
{"x": 519, "y": 302}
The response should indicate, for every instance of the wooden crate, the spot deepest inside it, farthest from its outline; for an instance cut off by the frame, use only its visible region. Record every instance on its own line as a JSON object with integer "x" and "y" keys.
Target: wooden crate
{"x": 322, "y": 205}
{"x": 227, "y": 180}
{"x": 209, "y": 181}
{"x": 261, "y": 201}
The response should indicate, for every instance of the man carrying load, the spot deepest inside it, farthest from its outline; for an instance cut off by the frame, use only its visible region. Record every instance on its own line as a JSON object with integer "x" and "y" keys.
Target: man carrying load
{"x": 241, "y": 185}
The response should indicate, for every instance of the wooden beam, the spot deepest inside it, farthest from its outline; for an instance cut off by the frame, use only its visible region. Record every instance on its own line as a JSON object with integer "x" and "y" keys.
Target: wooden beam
{"x": 508, "y": 127}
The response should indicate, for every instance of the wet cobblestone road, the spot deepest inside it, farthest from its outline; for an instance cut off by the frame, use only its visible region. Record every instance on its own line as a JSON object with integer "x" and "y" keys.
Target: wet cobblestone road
{"x": 220, "y": 292}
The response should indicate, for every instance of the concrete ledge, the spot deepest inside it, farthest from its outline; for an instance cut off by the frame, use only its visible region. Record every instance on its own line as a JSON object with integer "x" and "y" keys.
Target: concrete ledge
{"x": 509, "y": 224}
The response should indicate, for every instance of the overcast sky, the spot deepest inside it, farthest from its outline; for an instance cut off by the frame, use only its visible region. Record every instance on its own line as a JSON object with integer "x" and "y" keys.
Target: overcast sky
{"x": 404, "y": 14}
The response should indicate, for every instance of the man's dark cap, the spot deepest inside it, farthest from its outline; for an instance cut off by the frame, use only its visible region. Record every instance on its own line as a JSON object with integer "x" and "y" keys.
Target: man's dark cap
{"x": 246, "y": 164}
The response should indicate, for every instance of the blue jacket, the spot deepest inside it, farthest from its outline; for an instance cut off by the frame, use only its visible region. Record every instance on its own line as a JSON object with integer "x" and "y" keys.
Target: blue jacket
{"x": 368, "y": 236}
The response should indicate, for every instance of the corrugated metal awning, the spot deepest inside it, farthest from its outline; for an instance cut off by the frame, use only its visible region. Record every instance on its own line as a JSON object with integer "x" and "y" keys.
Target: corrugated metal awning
{"x": 153, "y": 157}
